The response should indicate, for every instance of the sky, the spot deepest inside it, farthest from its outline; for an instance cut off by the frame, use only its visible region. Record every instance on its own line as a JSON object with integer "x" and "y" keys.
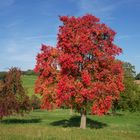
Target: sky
{"x": 26, "y": 24}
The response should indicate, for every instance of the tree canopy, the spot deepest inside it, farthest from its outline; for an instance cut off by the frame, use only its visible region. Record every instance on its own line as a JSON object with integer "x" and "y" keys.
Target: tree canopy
{"x": 81, "y": 71}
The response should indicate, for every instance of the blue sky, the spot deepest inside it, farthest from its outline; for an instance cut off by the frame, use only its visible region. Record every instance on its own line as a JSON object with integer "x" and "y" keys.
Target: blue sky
{"x": 26, "y": 24}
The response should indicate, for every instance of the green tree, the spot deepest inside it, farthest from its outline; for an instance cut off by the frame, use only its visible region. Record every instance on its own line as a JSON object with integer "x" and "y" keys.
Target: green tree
{"x": 130, "y": 98}
{"x": 35, "y": 102}
{"x": 137, "y": 76}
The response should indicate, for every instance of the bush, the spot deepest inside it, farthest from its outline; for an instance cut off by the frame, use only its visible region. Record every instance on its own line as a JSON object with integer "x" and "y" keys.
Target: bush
{"x": 35, "y": 102}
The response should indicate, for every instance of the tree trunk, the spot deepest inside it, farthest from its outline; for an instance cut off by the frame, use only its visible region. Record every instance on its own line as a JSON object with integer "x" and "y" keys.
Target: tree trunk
{"x": 83, "y": 119}
{"x": 113, "y": 110}
{"x": 114, "y": 106}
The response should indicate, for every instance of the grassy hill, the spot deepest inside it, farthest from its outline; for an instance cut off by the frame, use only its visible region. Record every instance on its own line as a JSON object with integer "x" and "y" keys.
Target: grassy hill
{"x": 28, "y": 83}
{"x": 59, "y": 125}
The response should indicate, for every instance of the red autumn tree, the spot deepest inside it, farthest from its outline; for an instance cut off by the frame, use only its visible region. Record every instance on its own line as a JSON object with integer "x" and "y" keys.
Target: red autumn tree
{"x": 13, "y": 98}
{"x": 46, "y": 67}
{"x": 88, "y": 72}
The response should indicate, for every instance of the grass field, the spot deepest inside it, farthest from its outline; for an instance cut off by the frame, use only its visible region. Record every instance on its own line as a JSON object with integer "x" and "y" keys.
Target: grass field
{"x": 59, "y": 125}
{"x": 28, "y": 83}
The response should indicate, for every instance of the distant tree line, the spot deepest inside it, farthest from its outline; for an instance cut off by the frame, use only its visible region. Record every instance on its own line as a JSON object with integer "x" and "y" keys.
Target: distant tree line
{"x": 2, "y": 75}
{"x": 28, "y": 72}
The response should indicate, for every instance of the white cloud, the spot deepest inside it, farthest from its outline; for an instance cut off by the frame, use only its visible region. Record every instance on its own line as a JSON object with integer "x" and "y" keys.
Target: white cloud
{"x": 14, "y": 23}
{"x": 40, "y": 37}
{"x": 97, "y": 7}
{"x": 11, "y": 50}
{"x": 103, "y": 8}
{"x": 19, "y": 53}
{"x": 23, "y": 57}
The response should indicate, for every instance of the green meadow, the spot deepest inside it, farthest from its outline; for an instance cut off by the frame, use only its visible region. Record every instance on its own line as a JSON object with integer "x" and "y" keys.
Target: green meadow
{"x": 28, "y": 83}
{"x": 60, "y": 125}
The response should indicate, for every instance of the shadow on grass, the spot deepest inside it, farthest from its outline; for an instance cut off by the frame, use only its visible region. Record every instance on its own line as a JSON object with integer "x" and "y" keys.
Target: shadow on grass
{"x": 114, "y": 114}
{"x": 75, "y": 122}
{"x": 20, "y": 121}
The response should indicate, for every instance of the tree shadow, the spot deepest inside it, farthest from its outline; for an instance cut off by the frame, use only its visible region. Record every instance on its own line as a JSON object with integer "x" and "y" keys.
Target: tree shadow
{"x": 114, "y": 114}
{"x": 75, "y": 122}
{"x": 118, "y": 114}
{"x": 20, "y": 121}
